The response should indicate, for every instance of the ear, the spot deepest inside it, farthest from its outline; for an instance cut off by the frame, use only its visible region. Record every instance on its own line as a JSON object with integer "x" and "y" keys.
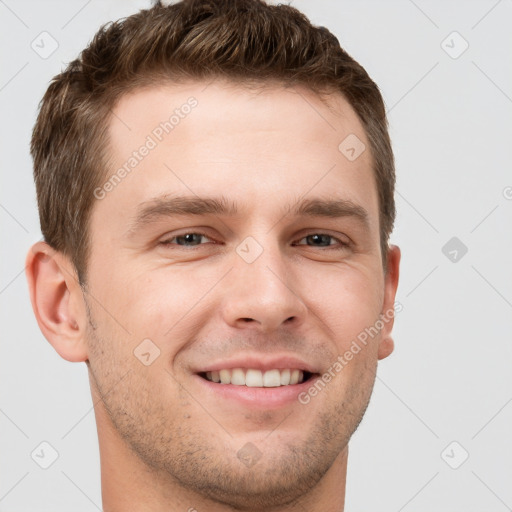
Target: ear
{"x": 57, "y": 301}
{"x": 386, "y": 344}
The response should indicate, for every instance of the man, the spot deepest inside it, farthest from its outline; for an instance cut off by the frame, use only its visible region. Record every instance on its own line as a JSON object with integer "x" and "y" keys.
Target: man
{"x": 215, "y": 185}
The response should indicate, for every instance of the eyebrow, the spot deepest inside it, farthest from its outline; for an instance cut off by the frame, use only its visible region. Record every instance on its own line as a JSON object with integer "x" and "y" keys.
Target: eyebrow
{"x": 166, "y": 206}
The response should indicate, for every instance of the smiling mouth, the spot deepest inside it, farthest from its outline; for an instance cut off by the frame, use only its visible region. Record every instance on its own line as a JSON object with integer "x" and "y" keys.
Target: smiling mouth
{"x": 254, "y": 378}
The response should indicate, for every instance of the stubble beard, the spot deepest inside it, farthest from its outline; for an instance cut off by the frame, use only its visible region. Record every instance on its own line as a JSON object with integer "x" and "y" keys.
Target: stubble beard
{"x": 189, "y": 450}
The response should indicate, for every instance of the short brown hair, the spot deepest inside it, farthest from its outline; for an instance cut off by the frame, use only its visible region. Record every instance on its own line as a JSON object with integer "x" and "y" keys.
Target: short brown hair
{"x": 245, "y": 41}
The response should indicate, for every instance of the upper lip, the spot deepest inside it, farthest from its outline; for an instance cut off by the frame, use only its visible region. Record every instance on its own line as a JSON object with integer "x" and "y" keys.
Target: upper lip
{"x": 259, "y": 362}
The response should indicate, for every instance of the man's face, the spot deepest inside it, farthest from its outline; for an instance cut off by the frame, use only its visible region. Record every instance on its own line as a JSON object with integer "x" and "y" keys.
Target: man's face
{"x": 260, "y": 289}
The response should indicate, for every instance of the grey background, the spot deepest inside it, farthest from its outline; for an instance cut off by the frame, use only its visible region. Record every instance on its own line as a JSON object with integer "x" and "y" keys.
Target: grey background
{"x": 450, "y": 377}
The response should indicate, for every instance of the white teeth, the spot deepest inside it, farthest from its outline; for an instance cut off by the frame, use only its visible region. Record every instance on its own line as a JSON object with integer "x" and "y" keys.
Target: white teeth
{"x": 238, "y": 377}
{"x": 272, "y": 379}
{"x": 256, "y": 378}
{"x": 225, "y": 376}
{"x": 294, "y": 377}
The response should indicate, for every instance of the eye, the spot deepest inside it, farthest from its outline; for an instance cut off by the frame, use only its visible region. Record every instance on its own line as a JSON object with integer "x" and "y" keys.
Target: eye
{"x": 193, "y": 239}
{"x": 323, "y": 240}
{"x": 186, "y": 240}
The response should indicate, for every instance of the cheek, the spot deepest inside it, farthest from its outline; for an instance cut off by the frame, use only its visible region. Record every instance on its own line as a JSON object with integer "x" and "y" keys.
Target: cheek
{"x": 158, "y": 304}
{"x": 346, "y": 299}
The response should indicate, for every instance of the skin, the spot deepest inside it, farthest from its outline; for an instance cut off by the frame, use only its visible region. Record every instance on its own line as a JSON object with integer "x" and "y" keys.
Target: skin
{"x": 165, "y": 443}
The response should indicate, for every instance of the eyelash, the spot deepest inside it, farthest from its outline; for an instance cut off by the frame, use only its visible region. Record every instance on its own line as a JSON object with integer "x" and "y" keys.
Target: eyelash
{"x": 341, "y": 244}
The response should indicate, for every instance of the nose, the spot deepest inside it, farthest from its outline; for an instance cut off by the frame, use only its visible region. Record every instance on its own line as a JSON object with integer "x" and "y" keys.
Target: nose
{"x": 261, "y": 295}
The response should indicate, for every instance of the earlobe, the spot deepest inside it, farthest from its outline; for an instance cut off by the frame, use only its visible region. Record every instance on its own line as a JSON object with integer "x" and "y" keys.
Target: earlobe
{"x": 57, "y": 301}
{"x": 386, "y": 347}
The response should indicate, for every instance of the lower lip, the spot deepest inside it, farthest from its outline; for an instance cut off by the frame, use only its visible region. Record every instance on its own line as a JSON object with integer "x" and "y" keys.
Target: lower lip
{"x": 257, "y": 398}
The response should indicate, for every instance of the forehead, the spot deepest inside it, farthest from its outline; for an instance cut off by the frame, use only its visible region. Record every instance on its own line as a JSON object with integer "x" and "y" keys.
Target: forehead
{"x": 224, "y": 108}
{"x": 262, "y": 147}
